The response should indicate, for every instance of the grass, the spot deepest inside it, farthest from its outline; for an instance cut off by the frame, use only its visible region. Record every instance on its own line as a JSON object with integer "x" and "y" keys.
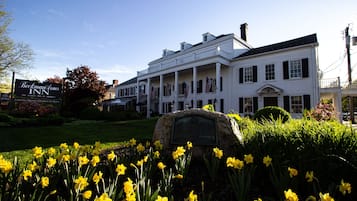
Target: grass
{"x": 84, "y": 132}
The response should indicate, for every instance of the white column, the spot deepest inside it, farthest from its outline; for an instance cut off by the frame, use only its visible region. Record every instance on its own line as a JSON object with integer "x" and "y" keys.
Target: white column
{"x": 194, "y": 79}
{"x": 137, "y": 96}
{"x": 218, "y": 87}
{"x": 161, "y": 93}
{"x": 176, "y": 91}
{"x": 148, "y": 93}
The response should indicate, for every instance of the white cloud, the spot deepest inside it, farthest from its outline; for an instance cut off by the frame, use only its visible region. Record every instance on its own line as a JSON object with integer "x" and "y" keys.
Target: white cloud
{"x": 116, "y": 72}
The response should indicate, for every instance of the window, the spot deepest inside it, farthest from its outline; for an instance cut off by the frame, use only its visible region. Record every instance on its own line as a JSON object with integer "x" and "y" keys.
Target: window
{"x": 199, "y": 86}
{"x": 222, "y": 105}
{"x": 248, "y": 74}
{"x": 247, "y": 107}
{"x": 295, "y": 69}
{"x": 296, "y": 104}
{"x": 199, "y": 104}
{"x": 269, "y": 72}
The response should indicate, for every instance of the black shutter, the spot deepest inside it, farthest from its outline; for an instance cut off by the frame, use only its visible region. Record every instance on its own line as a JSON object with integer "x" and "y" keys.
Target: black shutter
{"x": 307, "y": 102}
{"x": 241, "y": 75}
{"x": 255, "y": 74}
{"x": 221, "y": 84}
{"x": 287, "y": 103}
{"x": 286, "y": 70}
{"x": 305, "y": 67}
{"x": 192, "y": 87}
{"x": 240, "y": 105}
{"x": 255, "y": 104}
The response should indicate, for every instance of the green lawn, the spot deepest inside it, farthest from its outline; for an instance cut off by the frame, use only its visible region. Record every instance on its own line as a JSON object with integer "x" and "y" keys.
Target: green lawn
{"x": 83, "y": 132}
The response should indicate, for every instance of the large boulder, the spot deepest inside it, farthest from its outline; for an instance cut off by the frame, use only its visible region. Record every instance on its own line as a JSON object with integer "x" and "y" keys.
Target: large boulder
{"x": 203, "y": 128}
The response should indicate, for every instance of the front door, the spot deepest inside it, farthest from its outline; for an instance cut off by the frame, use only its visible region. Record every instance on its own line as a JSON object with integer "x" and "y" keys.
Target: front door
{"x": 270, "y": 101}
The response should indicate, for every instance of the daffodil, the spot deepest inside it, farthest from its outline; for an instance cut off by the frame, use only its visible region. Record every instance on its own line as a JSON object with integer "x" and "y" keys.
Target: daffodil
{"x": 51, "y": 162}
{"x": 345, "y": 187}
{"x": 292, "y": 172}
{"x": 326, "y": 197}
{"x": 95, "y": 160}
{"x": 159, "y": 198}
{"x": 111, "y": 156}
{"x": 132, "y": 142}
{"x": 140, "y": 148}
{"x": 129, "y": 189}
{"x": 82, "y": 160}
{"x": 103, "y": 197}
{"x": 51, "y": 151}
{"x": 192, "y": 196}
{"x": 76, "y": 145}
{"x": 161, "y": 165}
{"x": 120, "y": 169}
{"x": 290, "y": 195}
{"x": 37, "y": 152}
{"x": 178, "y": 176}
{"x": 189, "y": 145}
{"x": 81, "y": 183}
{"x": 248, "y": 158}
{"x": 309, "y": 176}
{"x": 97, "y": 177}
{"x": 33, "y": 166}
{"x": 64, "y": 146}
{"x": 180, "y": 151}
{"x": 267, "y": 160}
{"x": 87, "y": 194}
{"x": 156, "y": 154}
{"x": 218, "y": 152}
{"x": 66, "y": 157}
{"x": 26, "y": 174}
{"x": 5, "y": 165}
{"x": 45, "y": 181}
{"x": 158, "y": 145}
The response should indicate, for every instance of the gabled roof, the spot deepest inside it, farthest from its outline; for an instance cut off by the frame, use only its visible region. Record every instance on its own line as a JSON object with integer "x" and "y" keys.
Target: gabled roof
{"x": 310, "y": 39}
{"x": 131, "y": 81}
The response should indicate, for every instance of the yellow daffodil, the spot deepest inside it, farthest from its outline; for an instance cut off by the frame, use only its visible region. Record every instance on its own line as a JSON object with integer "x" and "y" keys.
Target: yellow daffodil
{"x": 147, "y": 144}
{"x": 45, "y": 181}
{"x": 267, "y": 160}
{"x": 309, "y": 176}
{"x": 26, "y": 174}
{"x": 97, "y": 144}
{"x": 129, "y": 189}
{"x": 292, "y": 172}
{"x": 51, "y": 162}
{"x": 132, "y": 142}
{"x": 81, "y": 183}
{"x": 248, "y": 158}
{"x": 111, "y": 156}
{"x": 258, "y": 199}
{"x": 66, "y": 157}
{"x": 103, "y": 197}
{"x": 37, "y": 152}
{"x": 82, "y": 160}
{"x": 218, "y": 152}
{"x": 159, "y": 198}
{"x": 64, "y": 146}
{"x": 189, "y": 145}
{"x": 5, "y": 165}
{"x": 290, "y": 195}
{"x": 192, "y": 197}
{"x": 95, "y": 160}
{"x": 158, "y": 145}
{"x": 326, "y": 197}
{"x": 76, "y": 145}
{"x": 180, "y": 151}
{"x": 311, "y": 198}
{"x": 140, "y": 148}
{"x": 97, "y": 177}
{"x": 120, "y": 169}
{"x": 156, "y": 154}
{"x": 33, "y": 166}
{"x": 178, "y": 176}
{"x": 140, "y": 162}
{"x": 234, "y": 163}
{"x": 87, "y": 194}
{"x": 161, "y": 165}
{"x": 146, "y": 158}
{"x": 51, "y": 151}
{"x": 345, "y": 187}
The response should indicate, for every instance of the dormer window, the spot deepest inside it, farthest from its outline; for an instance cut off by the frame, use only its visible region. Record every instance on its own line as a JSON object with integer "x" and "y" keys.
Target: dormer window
{"x": 208, "y": 37}
{"x": 185, "y": 45}
{"x": 205, "y": 38}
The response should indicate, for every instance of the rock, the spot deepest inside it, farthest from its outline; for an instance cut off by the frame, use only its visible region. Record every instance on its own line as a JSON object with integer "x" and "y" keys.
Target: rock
{"x": 203, "y": 128}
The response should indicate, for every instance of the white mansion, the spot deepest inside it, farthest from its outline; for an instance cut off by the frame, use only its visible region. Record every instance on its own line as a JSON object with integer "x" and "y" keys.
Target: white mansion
{"x": 229, "y": 73}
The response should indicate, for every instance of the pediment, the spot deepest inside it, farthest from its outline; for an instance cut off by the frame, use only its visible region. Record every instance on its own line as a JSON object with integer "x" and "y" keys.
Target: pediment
{"x": 269, "y": 89}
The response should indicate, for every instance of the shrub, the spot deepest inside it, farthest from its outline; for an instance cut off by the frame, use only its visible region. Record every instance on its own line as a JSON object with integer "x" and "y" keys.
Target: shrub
{"x": 322, "y": 112}
{"x": 90, "y": 113}
{"x": 272, "y": 113}
{"x": 5, "y": 117}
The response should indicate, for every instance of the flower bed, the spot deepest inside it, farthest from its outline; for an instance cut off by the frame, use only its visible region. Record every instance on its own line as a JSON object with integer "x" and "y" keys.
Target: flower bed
{"x": 301, "y": 159}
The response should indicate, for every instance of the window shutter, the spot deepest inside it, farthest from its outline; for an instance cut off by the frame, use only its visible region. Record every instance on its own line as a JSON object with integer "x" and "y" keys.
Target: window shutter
{"x": 286, "y": 70}
{"x": 240, "y": 75}
{"x": 240, "y": 105}
{"x": 287, "y": 103}
{"x": 221, "y": 84}
{"x": 305, "y": 67}
{"x": 255, "y": 104}
{"x": 307, "y": 103}
{"x": 255, "y": 74}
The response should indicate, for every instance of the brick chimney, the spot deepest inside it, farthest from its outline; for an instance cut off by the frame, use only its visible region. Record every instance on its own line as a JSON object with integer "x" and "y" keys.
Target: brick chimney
{"x": 244, "y": 31}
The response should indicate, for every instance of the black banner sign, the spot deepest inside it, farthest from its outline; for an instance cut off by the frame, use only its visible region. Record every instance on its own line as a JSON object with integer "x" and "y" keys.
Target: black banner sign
{"x": 33, "y": 89}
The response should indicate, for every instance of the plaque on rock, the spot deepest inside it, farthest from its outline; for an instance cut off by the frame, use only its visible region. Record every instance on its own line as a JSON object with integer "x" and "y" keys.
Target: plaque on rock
{"x": 197, "y": 129}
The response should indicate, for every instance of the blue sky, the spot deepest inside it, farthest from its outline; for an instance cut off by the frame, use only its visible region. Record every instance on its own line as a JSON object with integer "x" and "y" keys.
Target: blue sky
{"x": 117, "y": 38}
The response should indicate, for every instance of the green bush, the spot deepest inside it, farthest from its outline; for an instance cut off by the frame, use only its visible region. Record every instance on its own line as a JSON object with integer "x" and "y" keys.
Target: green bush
{"x": 91, "y": 113}
{"x": 5, "y": 118}
{"x": 272, "y": 113}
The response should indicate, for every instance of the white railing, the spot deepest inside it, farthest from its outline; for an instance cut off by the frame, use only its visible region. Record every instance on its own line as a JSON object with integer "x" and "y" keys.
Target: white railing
{"x": 330, "y": 83}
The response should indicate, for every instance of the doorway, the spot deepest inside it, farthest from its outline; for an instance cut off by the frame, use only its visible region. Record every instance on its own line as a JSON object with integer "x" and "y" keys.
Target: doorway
{"x": 270, "y": 101}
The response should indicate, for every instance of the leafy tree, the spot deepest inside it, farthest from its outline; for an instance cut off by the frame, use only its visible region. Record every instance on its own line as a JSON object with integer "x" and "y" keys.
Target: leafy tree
{"x": 83, "y": 89}
{"x": 13, "y": 56}
{"x": 55, "y": 79}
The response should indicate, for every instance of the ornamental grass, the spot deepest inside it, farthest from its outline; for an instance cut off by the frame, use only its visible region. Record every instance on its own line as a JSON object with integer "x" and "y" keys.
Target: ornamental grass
{"x": 296, "y": 160}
